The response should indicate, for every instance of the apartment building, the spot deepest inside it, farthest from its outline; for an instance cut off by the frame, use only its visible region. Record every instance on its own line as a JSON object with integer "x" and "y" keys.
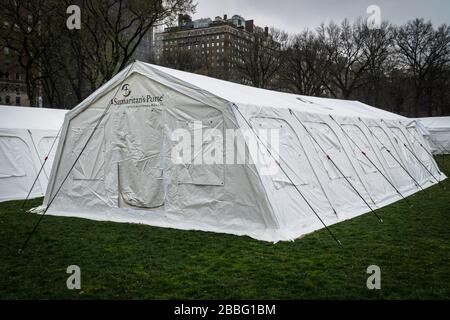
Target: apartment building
{"x": 211, "y": 47}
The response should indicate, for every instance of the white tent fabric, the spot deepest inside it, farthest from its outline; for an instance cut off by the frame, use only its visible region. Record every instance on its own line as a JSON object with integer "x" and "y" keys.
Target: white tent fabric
{"x": 436, "y": 133}
{"x": 26, "y": 136}
{"x": 126, "y": 172}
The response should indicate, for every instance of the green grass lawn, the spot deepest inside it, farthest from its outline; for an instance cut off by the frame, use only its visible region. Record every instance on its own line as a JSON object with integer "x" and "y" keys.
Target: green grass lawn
{"x": 117, "y": 260}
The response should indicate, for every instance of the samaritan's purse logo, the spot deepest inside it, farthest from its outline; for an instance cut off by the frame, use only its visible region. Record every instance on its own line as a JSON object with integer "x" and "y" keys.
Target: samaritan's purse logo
{"x": 125, "y": 91}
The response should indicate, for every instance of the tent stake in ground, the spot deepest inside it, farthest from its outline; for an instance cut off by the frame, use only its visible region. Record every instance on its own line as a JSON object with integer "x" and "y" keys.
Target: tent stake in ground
{"x": 393, "y": 157}
{"x": 289, "y": 178}
{"x": 335, "y": 165}
{"x": 370, "y": 160}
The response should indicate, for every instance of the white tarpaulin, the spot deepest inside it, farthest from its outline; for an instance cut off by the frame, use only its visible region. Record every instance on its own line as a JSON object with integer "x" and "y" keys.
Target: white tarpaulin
{"x": 127, "y": 171}
{"x": 26, "y": 137}
{"x": 437, "y": 133}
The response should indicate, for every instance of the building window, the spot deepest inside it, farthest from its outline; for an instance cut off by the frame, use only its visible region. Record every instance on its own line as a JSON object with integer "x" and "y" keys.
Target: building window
{"x": 17, "y": 76}
{"x": 18, "y": 101}
{"x": 7, "y": 100}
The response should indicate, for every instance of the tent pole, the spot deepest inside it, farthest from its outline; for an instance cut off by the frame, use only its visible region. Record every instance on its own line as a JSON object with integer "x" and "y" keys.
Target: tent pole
{"x": 290, "y": 180}
{"x": 414, "y": 155}
{"x": 318, "y": 181}
{"x": 315, "y": 175}
{"x": 42, "y": 167}
{"x": 393, "y": 157}
{"x": 335, "y": 165}
{"x": 76, "y": 160}
{"x": 36, "y": 150}
{"x": 370, "y": 160}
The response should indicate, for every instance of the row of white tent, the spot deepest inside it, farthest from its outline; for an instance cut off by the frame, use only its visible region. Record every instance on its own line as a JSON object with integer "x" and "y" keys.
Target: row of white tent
{"x": 436, "y": 131}
{"x": 26, "y": 138}
{"x": 338, "y": 159}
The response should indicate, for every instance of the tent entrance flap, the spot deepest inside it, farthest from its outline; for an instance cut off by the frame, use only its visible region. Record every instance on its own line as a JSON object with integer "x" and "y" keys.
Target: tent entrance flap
{"x": 140, "y": 171}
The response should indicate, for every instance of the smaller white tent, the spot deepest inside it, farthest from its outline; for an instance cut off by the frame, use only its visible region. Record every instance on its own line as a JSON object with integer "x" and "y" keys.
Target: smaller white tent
{"x": 436, "y": 131}
{"x": 26, "y": 137}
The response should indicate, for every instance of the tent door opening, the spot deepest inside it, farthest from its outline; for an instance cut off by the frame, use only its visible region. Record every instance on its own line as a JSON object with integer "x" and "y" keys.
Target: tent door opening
{"x": 140, "y": 172}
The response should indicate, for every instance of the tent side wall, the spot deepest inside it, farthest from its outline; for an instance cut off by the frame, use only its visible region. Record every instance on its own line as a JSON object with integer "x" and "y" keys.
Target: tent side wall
{"x": 126, "y": 172}
{"x": 26, "y": 137}
{"x": 306, "y": 139}
{"x": 438, "y": 136}
{"x": 22, "y": 153}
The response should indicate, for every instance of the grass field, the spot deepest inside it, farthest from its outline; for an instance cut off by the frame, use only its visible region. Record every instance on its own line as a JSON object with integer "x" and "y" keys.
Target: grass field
{"x": 412, "y": 248}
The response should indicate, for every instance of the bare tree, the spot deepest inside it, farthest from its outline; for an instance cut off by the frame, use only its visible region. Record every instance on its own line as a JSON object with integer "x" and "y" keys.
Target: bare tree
{"x": 304, "y": 68}
{"x": 180, "y": 59}
{"x": 344, "y": 44}
{"x": 377, "y": 50}
{"x": 113, "y": 29}
{"x": 425, "y": 52}
{"x": 260, "y": 58}
{"x": 28, "y": 32}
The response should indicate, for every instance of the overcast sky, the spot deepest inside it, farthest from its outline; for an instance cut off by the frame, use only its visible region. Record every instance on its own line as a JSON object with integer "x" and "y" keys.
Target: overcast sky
{"x": 296, "y": 15}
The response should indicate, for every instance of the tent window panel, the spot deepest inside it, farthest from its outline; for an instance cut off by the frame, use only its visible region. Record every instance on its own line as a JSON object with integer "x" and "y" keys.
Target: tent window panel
{"x": 90, "y": 165}
{"x": 400, "y": 139}
{"x": 12, "y": 157}
{"x": 292, "y": 157}
{"x": 383, "y": 145}
{"x": 416, "y": 141}
{"x": 205, "y": 166}
{"x": 330, "y": 143}
{"x": 358, "y": 137}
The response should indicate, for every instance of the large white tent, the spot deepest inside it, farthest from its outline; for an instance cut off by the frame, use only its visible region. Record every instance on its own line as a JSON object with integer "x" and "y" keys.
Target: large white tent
{"x": 437, "y": 133}
{"x": 337, "y": 159}
{"x": 26, "y": 137}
